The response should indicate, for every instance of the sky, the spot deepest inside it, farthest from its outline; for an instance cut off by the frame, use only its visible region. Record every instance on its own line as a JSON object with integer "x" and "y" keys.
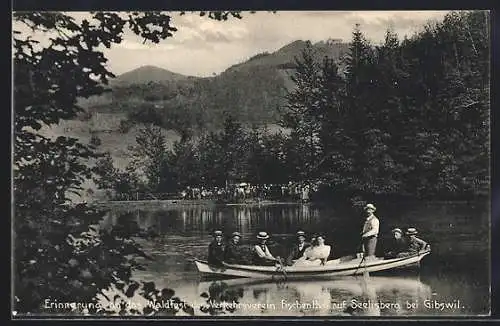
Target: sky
{"x": 203, "y": 47}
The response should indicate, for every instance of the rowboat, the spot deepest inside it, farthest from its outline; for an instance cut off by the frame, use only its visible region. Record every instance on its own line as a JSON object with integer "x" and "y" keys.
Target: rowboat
{"x": 332, "y": 268}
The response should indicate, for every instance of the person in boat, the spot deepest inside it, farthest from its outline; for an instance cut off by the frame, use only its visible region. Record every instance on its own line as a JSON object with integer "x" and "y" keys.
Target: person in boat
{"x": 397, "y": 245}
{"x": 298, "y": 248}
{"x": 370, "y": 232}
{"x": 415, "y": 245}
{"x": 315, "y": 255}
{"x": 233, "y": 253}
{"x": 216, "y": 249}
{"x": 262, "y": 255}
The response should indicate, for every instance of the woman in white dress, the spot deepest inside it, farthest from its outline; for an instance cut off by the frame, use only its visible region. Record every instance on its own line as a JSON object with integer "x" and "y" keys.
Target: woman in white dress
{"x": 315, "y": 255}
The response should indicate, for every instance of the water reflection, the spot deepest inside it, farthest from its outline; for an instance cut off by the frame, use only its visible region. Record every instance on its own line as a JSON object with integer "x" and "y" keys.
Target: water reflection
{"x": 376, "y": 296}
{"x": 456, "y": 269}
{"x": 200, "y": 219}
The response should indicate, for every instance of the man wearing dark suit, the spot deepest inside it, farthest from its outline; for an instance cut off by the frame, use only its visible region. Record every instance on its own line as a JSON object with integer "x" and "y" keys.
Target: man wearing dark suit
{"x": 298, "y": 248}
{"x": 216, "y": 250}
{"x": 233, "y": 253}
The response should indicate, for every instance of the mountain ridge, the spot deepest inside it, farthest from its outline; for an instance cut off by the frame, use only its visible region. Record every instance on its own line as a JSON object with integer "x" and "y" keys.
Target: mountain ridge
{"x": 147, "y": 73}
{"x": 251, "y": 91}
{"x": 160, "y": 74}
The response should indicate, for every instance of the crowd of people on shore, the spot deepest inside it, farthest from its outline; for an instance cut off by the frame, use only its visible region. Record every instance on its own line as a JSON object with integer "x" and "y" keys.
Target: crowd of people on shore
{"x": 296, "y": 191}
{"x": 314, "y": 252}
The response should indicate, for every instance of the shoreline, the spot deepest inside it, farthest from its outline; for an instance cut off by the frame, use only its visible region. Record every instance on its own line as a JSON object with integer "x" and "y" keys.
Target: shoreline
{"x": 172, "y": 203}
{"x": 188, "y": 202}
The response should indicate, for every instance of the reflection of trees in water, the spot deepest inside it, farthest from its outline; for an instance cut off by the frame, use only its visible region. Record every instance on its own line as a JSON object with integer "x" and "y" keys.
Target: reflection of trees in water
{"x": 221, "y": 299}
{"x": 387, "y": 298}
{"x": 324, "y": 298}
{"x": 245, "y": 219}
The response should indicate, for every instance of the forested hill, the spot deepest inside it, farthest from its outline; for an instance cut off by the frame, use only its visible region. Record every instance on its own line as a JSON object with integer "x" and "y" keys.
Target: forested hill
{"x": 252, "y": 91}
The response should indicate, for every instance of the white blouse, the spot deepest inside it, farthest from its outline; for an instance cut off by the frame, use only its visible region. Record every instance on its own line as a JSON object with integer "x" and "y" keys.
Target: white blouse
{"x": 263, "y": 253}
{"x": 318, "y": 252}
{"x": 313, "y": 256}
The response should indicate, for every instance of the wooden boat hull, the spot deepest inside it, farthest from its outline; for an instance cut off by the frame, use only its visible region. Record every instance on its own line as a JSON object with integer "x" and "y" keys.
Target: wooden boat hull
{"x": 333, "y": 268}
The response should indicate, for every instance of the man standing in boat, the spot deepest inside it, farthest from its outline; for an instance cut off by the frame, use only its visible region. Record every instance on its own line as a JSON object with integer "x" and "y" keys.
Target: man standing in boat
{"x": 262, "y": 255}
{"x": 233, "y": 254}
{"x": 216, "y": 250}
{"x": 370, "y": 231}
{"x": 298, "y": 248}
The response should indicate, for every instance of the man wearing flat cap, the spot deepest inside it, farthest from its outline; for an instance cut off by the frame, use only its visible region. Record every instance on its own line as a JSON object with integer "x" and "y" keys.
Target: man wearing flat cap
{"x": 370, "y": 231}
{"x": 216, "y": 249}
{"x": 298, "y": 248}
{"x": 233, "y": 254}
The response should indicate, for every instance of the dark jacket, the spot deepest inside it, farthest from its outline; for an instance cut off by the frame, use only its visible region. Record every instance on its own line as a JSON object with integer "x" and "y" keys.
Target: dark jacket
{"x": 296, "y": 253}
{"x": 215, "y": 253}
{"x": 233, "y": 253}
{"x": 415, "y": 245}
{"x": 395, "y": 247}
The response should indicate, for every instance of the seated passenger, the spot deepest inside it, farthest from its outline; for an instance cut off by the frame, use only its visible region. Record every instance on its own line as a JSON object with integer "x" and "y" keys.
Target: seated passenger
{"x": 262, "y": 255}
{"x": 216, "y": 250}
{"x": 298, "y": 248}
{"x": 233, "y": 253}
{"x": 315, "y": 255}
{"x": 396, "y": 245}
{"x": 415, "y": 245}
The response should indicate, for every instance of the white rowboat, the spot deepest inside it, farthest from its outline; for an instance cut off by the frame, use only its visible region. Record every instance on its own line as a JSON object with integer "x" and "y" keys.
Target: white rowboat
{"x": 333, "y": 268}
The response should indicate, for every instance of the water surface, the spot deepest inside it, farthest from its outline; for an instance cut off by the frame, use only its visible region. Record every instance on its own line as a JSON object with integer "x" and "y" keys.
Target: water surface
{"x": 454, "y": 279}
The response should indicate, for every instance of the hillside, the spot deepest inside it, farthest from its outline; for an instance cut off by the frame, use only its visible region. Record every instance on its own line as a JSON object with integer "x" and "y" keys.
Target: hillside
{"x": 146, "y": 74}
{"x": 252, "y": 91}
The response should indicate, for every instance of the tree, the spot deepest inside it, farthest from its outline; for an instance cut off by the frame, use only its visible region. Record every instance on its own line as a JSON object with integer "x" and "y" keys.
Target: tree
{"x": 149, "y": 155}
{"x": 106, "y": 172}
{"x": 233, "y": 144}
{"x": 184, "y": 165}
{"x": 303, "y": 114}
{"x": 449, "y": 105}
{"x": 60, "y": 253}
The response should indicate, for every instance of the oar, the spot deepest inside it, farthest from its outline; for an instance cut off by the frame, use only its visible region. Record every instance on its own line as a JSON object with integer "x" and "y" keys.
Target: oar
{"x": 365, "y": 273}
{"x": 361, "y": 262}
{"x": 281, "y": 267}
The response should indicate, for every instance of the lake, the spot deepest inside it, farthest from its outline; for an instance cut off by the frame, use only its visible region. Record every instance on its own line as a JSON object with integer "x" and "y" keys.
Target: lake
{"x": 454, "y": 279}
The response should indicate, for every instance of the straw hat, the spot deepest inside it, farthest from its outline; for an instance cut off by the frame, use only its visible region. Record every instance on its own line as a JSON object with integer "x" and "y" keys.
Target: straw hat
{"x": 217, "y": 233}
{"x": 411, "y": 231}
{"x": 262, "y": 235}
{"x": 235, "y": 234}
{"x": 397, "y": 230}
{"x": 301, "y": 234}
{"x": 371, "y": 206}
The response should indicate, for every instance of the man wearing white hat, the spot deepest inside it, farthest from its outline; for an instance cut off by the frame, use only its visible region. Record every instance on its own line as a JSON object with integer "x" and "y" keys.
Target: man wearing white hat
{"x": 370, "y": 231}
{"x": 262, "y": 254}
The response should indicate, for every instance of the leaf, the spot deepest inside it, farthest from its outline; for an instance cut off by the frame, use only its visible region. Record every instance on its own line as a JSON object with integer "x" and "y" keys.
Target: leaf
{"x": 188, "y": 309}
{"x": 131, "y": 289}
{"x": 149, "y": 287}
